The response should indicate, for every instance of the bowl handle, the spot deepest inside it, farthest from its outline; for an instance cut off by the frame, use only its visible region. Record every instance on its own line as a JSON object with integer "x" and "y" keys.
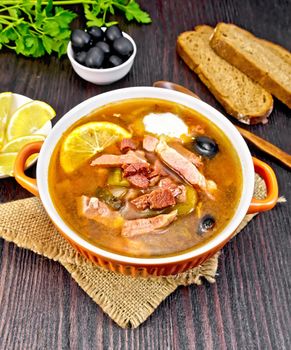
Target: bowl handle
{"x": 267, "y": 173}
{"x": 25, "y": 181}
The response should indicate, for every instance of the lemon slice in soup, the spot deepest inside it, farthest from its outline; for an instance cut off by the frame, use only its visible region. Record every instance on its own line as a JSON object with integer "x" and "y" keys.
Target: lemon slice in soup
{"x": 87, "y": 140}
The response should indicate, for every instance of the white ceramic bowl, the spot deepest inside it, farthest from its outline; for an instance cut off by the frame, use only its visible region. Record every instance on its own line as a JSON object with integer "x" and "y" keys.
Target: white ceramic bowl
{"x": 103, "y": 76}
{"x": 132, "y": 265}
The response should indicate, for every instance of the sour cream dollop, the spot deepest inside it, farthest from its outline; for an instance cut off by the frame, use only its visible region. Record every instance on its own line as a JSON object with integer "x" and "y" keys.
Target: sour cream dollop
{"x": 167, "y": 124}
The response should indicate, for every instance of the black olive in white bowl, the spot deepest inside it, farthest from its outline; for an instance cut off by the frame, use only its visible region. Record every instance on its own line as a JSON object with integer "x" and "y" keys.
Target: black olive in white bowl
{"x": 123, "y": 47}
{"x": 101, "y": 58}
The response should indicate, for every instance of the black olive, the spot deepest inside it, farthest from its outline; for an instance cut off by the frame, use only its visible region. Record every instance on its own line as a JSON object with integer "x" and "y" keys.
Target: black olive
{"x": 91, "y": 43}
{"x": 94, "y": 57}
{"x": 205, "y": 146}
{"x": 81, "y": 57}
{"x": 105, "y": 47}
{"x": 96, "y": 33}
{"x": 80, "y": 40}
{"x": 114, "y": 61}
{"x": 123, "y": 47}
{"x": 112, "y": 33}
{"x": 206, "y": 224}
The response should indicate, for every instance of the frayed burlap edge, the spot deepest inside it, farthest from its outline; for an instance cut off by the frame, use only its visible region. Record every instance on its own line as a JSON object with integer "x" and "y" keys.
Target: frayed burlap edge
{"x": 164, "y": 286}
{"x": 101, "y": 285}
{"x": 122, "y": 317}
{"x": 25, "y": 223}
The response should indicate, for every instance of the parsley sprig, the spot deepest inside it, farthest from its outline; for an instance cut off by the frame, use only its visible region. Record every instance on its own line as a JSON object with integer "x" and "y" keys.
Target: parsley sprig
{"x": 35, "y": 27}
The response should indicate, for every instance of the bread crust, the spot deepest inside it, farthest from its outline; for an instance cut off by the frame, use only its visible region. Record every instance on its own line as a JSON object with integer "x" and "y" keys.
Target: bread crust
{"x": 255, "y": 118}
{"x": 251, "y": 68}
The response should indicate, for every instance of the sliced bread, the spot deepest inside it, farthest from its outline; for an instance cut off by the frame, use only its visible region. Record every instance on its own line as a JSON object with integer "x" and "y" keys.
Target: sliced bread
{"x": 266, "y": 63}
{"x": 239, "y": 95}
{"x": 277, "y": 49}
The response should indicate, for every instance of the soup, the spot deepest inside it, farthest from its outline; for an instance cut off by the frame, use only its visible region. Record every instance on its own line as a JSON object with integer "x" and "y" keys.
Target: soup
{"x": 145, "y": 178}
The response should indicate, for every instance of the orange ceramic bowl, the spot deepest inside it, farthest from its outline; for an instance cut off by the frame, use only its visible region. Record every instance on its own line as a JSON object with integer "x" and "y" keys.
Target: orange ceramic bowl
{"x": 148, "y": 266}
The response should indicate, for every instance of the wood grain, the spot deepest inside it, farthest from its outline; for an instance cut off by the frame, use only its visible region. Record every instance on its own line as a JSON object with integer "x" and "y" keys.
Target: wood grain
{"x": 41, "y": 307}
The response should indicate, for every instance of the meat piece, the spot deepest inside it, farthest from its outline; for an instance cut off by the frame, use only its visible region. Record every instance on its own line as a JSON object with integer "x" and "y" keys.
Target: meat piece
{"x": 166, "y": 182}
{"x": 157, "y": 199}
{"x": 113, "y": 160}
{"x": 196, "y": 160}
{"x": 181, "y": 165}
{"x": 154, "y": 177}
{"x": 93, "y": 208}
{"x": 150, "y": 143}
{"x": 153, "y": 173}
{"x": 139, "y": 180}
{"x": 178, "y": 191}
{"x": 141, "y": 202}
{"x": 158, "y": 167}
{"x": 137, "y": 174}
{"x": 161, "y": 198}
{"x": 136, "y": 168}
{"x": 128, "y": 144}
{"x": 141, "y": 169}
{"x": 137, "y": 227}
{"x": 140, "y": 153}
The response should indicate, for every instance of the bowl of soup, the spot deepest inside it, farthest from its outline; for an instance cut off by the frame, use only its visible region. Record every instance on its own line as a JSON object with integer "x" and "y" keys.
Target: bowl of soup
{"x": 146, "y": 181}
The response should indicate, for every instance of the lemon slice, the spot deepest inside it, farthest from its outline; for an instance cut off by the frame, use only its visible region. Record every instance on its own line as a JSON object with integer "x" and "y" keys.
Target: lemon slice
{"x": 7, "y": 161}
{"x": 28, "y": 119}
{"x": 5, "y": 106}
{"x": 15, "y": 145}
{"x": 87, "y": 140}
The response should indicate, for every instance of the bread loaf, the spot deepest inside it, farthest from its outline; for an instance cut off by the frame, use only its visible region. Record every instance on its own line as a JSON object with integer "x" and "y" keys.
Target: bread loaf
{"x": 240, "y": 96}
{"x": 264, "y": 62}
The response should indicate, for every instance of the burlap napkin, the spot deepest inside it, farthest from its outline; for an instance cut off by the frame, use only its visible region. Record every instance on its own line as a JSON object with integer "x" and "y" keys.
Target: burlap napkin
{"x": 128, "y": 301}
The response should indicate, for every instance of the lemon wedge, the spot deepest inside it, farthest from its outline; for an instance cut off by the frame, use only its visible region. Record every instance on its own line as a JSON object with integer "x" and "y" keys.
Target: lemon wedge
{"x": 5, "y": 106}
{"x": 15, "y": 145}
{"x": 87, "y": 140}
{"x": 28, "y": 119}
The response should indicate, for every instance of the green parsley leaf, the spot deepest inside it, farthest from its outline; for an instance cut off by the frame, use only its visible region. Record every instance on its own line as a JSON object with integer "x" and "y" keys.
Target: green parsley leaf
{"x": 133, "y": 11}
{"x": 51, "y": 28}
{"x": 34, "y": 27}
{"x": 63, "y": 17}
{"x": 91, "y": 17}
{"x": 9, "y": 33}
{"x": 47, "y": 43}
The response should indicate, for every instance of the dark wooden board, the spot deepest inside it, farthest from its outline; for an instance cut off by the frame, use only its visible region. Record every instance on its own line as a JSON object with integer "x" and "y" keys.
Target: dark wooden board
{"x": 41, "y": 307}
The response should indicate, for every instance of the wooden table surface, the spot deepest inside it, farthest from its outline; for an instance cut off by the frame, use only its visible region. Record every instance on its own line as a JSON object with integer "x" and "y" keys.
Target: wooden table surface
{"x": 41, "y": 307}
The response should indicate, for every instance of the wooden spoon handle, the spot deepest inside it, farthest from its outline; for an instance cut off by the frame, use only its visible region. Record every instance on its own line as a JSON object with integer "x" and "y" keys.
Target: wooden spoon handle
{"x": 266, "y": 147}
{"x": 257, "y": 141}
{"x": 173, "y": 86}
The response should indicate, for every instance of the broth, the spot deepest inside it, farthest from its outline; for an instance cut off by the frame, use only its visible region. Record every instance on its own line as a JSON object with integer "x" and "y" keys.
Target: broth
{"x": 185, "y": 232}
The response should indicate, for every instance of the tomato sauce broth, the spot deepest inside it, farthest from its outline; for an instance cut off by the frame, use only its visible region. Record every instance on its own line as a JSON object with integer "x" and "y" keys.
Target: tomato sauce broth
{"x": 182, "y": 234}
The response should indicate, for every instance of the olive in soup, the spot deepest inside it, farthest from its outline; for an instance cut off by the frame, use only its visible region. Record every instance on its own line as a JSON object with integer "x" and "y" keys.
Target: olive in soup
{"x": 145, "y": 178}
